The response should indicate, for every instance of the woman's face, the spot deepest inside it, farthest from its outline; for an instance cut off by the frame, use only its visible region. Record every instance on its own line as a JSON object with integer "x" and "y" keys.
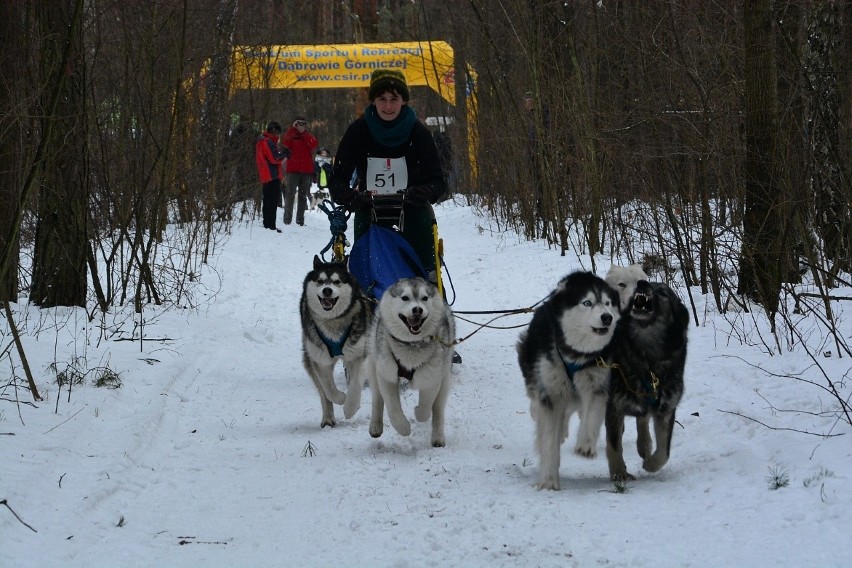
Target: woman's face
{"x": 389, "y": 105}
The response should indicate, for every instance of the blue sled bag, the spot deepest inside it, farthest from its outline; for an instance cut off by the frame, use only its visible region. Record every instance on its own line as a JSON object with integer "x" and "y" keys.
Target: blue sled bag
{"x": 380, "y": 257}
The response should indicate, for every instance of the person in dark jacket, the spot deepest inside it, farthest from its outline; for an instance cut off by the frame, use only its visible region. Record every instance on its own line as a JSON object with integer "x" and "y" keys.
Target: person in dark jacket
{"x": 299, "y": 169}
{"x": 396, "y": 165}
{"x": 270, "y": 156}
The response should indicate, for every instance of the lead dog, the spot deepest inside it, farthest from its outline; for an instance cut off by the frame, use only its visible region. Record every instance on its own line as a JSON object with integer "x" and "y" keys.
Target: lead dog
{"x": 411, "y": 338}
{"x": 649, "y": 355}
{"x": 335, "y": 318}
{"x": 558, "y": 355}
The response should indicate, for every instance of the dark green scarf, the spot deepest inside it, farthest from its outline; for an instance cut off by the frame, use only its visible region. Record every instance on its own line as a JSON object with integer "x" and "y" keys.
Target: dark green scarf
{"x": 390, "y": 133}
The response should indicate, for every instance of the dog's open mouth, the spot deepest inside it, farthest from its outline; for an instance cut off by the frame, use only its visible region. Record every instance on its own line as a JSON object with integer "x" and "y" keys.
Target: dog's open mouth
{"x": 413, "y": 323}
{"x": 327, "y": 303}
{"x": 642, "y": 305}
{"x": 600, "y": 330}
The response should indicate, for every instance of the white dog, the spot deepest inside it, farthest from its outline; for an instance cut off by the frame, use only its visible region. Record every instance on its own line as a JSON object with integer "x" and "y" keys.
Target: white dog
{"x": 411, "y": 338}
{"x": 624, "y": 279}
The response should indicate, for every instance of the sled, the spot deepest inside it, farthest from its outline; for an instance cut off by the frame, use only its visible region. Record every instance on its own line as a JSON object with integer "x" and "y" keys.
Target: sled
{"x": 381, "y": 256}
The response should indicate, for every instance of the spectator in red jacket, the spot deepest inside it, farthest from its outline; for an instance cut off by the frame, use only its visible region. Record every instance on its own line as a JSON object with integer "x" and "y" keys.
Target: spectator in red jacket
{"x": 299, "y": 169}
{"x": 270, "y": 156}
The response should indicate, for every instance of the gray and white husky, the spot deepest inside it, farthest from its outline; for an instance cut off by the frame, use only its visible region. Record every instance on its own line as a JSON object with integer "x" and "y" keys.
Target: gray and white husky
{"x": 335, "y": 319}
{"x": 411, "y": 338}
{"x": 563, "y": 356}
{"x": 648, "y": 359}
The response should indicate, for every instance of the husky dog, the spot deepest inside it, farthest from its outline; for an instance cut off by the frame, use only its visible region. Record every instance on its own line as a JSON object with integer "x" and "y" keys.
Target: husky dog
{"x": 560, "y": 356}
{"x": 411, "y": 338}
{"x": 649, "y": 354}
{"x": 335, "y": 319}
{"x": 623, "y": 279}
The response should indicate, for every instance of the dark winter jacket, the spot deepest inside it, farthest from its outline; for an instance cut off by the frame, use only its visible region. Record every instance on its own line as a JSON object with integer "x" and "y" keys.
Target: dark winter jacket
{"x": 421, "y": 159}
{"x": 301, "y": 146}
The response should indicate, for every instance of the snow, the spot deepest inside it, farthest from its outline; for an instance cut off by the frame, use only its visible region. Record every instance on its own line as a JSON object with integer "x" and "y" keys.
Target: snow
{"x": 210, "y": 454}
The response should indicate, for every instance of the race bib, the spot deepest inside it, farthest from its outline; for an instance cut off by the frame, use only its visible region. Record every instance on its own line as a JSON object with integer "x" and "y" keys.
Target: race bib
{"x": 386, "y": 176}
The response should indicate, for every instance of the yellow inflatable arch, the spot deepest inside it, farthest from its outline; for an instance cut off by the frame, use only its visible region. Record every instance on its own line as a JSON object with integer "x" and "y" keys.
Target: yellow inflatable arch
{"x": 424, "y": 63}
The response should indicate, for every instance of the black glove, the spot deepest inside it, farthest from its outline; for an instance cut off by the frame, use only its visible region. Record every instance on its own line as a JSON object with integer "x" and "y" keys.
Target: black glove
{"x": 419, "y": 196}
{"x": 350, "y": 199}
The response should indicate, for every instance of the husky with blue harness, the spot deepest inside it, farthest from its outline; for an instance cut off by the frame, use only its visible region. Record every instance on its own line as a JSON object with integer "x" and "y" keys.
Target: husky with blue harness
{"x": 564, "y": 356}
{"x": 335, "y": 318}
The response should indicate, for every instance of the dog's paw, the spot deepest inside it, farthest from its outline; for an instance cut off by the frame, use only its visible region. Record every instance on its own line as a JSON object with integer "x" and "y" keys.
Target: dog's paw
{"x": 438, "y": 442}
{"x": 330, "y": 422}
{"x": 376, "y": 429}
{"x": 654, "y": 463}
{"x": 351, "y": 406}
{"x": 350, "y": 410}
{"x": 548, "y": 483}
{"x": 422, "y": 413}
{"x": 402, "y": 426}
{"x": 338, "y": 397}
{"x": 585, "y": 450}
{"x": 621, "y": 476}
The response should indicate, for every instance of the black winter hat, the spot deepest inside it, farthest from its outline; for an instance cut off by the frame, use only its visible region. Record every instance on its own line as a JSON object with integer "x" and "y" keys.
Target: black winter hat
{"x": 273, "y": 127}
{"x": 383, "y": 80}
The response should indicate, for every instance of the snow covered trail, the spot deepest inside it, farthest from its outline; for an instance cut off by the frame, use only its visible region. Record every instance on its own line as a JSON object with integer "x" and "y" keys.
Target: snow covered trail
{"x": 211, "y": 453}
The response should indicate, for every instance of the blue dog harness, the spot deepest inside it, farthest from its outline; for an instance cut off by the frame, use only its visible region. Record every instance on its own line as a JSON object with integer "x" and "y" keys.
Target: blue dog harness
{"x": 573, "y": 368}
{"x": 335, "y": 347}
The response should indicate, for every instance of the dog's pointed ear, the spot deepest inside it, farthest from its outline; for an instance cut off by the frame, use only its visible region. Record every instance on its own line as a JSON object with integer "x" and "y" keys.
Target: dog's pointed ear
{"x": 345, "y": 259}
{"x": 317, "y": 261}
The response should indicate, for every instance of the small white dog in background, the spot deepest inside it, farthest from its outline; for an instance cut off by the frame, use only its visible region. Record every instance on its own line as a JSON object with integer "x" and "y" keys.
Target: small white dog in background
{"x": 624, "y": 279}
{"x": 318, "y": 197}
{"x": 411, "y": 338}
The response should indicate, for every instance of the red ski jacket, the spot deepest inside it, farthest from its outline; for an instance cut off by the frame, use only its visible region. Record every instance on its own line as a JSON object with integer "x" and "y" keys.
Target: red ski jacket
{"x": 301, "y": 146}
{"x": 268, "y": 158}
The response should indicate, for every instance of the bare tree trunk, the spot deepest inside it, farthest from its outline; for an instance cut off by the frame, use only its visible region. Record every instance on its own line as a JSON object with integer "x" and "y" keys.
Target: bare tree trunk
{"x": 830, "y": 126}
{"x": 12, "y": 62}
{"x": 215, "y": 122}
{"x": 59, "y": 259}
{"x": 760, "y": 261}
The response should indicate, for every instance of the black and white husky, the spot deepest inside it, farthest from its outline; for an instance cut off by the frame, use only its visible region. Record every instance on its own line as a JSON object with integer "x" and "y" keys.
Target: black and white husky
{"x": 411, "y": 338}
{"x": 335, "y": 319}
{"x": 648, "y": 358}
{"x": 563, "y": 356}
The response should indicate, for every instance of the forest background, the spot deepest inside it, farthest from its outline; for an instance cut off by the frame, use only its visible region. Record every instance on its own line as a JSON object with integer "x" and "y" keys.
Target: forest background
{"x": 708, "y": 141}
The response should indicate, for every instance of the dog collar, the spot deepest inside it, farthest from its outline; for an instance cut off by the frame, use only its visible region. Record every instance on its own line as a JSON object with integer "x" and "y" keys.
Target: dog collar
{"x": 427, "y": 339}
